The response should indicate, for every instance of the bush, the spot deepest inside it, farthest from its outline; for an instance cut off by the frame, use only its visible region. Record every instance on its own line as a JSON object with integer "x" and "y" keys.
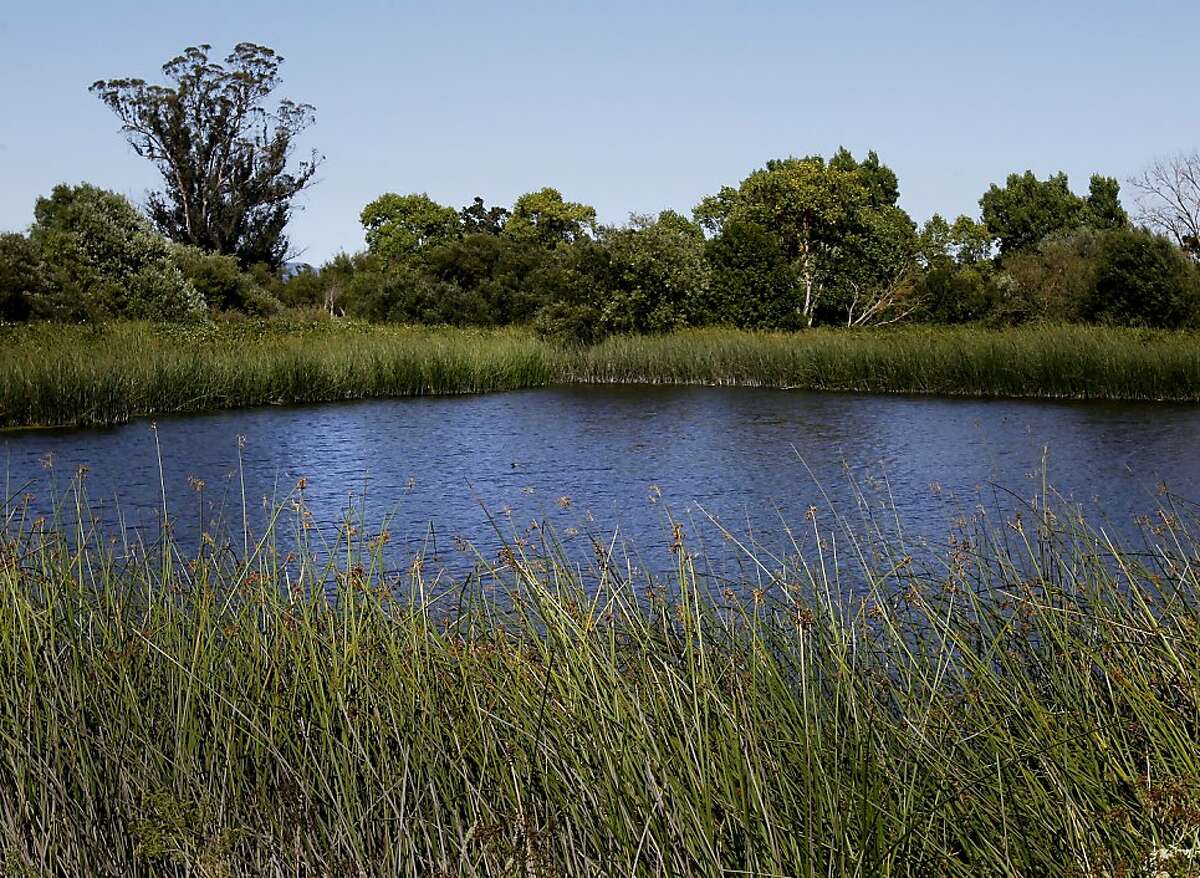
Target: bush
{"x": 569, "y": 325}
{"x": 752, "y": 285}
{"x": 1143, "y": 280}
{"x": 656, "y": 273}
{"x": 1051, "y": 281}
{"x": 956, "y": 294}
{"x": 103, "y": 260}
{"x": 222, "y": 283}
{"x": 22, "y": 276}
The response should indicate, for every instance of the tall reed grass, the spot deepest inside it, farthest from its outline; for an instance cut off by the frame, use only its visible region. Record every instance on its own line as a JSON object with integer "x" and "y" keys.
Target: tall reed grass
{"x": 66, "y": 375}
{"x": 1027, "y": 705}
{"x": 1076, "y": 362}
{"x": 70, "y": 375}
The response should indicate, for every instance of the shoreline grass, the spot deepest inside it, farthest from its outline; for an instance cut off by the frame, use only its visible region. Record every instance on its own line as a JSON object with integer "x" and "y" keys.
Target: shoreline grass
{"x": 1029, "y": 705}
{"x": 91, "y": 376}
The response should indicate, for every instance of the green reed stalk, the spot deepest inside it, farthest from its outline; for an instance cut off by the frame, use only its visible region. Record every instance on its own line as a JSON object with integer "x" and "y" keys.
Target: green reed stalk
{"x": 1026, "y": 703}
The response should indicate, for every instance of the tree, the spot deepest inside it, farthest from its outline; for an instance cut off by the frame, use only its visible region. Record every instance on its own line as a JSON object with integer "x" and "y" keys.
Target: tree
{"x": 1142, "y": 279}
{"x": 880, "y": 181}
{"x": 543, "y": 217}
{"x": 478, "y": 219}
{"x": 811, "y": 206}
{"x": 657, "y": 272}
{"x": 22, "y": 276}
{"x": 103, "y": 259}
{"x": 1102, "y": 208}
{"x": 1169, "y": 199}
{"x": 868, "y": 276}
{"x": 223, "y": 155}
{"x": 398, "y": 226}
{"x": 753, "y": 283}
{"x": 714, "y": 211}
{"x": 1027, "y": 209}
{"x": 222, "y": 283}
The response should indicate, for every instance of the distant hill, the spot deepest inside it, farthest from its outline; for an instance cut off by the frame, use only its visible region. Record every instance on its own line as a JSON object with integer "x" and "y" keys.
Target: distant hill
{"x": 291, "y": 269}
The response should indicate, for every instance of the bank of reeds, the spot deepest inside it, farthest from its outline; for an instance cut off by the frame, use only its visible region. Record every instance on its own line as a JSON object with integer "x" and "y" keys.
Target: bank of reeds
{"x": 65, "y": 375}
{"x": 73, "y": 375}
{"x": 1069, "y": 362}
{"x": 1027, "y": 705}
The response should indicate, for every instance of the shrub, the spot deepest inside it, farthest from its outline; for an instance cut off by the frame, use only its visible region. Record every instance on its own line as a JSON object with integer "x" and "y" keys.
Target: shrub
{"x": 567, "y": 324}
{"x": 1143, "y": 280}
{"x": 752, "y": 284}
{"x": 956, "y": 294}
{"x": 22, "y": 276}
{"x": 222, "y": 283}
{"x": 1051, "y": 281}
{"x": 657, "y": 273}
{"x": 103, "y": 259}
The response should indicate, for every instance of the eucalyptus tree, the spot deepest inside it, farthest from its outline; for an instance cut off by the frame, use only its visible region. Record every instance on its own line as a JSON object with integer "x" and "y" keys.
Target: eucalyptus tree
{"x": 225, "y": 156}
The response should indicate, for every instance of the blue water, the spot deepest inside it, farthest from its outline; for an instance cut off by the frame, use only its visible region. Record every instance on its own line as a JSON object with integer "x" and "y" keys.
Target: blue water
{"x": 591, "y": 460}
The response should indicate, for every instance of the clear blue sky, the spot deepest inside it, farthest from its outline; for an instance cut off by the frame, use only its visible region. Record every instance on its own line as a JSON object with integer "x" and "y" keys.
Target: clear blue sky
{"x": 627, "y": 106}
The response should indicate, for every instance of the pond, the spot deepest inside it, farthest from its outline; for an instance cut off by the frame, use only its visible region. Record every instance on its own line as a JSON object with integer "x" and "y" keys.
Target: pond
{"x": 588, "y": 460}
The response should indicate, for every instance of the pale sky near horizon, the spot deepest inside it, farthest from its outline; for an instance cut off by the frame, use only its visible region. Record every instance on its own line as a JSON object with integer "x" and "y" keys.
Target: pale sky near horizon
{"x": 631, "y": 107}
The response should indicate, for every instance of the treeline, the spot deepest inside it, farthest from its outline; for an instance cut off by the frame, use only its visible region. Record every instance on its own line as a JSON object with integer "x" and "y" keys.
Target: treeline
{"x": 800, "y": 242}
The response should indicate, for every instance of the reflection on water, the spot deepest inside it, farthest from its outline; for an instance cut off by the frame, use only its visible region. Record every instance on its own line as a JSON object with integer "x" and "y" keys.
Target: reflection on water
{"x": 591, "y": 459}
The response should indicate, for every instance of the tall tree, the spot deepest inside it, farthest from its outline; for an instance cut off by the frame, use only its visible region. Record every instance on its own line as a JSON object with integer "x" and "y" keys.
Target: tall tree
{"x": 479, "y": 219}
{"x": 398, "y": 226}
{"x": 223, "y": 154}
{"x": 543, "y": 217}
{"x": 1026, "y": 209}
{"x": 812, "y": 207}
{"x": 1169, "y": 199}
{"x": 1102, "y": 208}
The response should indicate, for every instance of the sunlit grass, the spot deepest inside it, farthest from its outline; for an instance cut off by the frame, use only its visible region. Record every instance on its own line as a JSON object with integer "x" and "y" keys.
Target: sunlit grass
{"x": 70, "y": 375}
{"x": 1025, "y": 703}
{"x": 1076, "y": 362}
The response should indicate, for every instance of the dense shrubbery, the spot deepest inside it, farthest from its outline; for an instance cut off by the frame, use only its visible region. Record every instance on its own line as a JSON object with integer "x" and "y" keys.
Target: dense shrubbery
{"x": 800, "y": 242}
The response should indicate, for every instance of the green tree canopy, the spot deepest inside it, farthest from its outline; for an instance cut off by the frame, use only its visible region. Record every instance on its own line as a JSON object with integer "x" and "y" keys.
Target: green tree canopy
{"x": 479, "y": 219}
{"x": 398, "y": 226}
{"x": 1025, "y": 210}
{"x": 544, "y": 218}
{"x": 1102, "y": 208}
{"x": 829, "y": 218}
{"x": 657, "y": 274}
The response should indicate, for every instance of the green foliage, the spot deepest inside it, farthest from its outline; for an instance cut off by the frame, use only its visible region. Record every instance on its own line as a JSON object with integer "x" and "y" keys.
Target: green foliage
{"x": 399, "y": 226}
{"x": 1102, "y": 209}
{"x": 657, "y": 274}
{"x": 1142, "y": 279}
{"x": 223, "y": 156}
{"x": 306, "y": 288}
{"x": 103, "y": 259}
{"x": 222, "y": 283}
{"x": 951, "y": 293}
{"x": 880, "y": 181}
{"x": 568, "y": 324}
{"x": 1050, "y": 281}
{"x": 478, "y": 219}
{"x": 22, "y": 276}
{"x": 545, "y": 219}
{"x": 836, "y": 223}
{"x": 1028, "y": 209}
{"x": 714, "y": 211}
{"x": 753, "y": 283}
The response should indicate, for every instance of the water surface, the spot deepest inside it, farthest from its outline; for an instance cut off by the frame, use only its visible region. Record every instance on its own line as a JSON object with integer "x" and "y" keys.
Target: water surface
{"x": 591, "y": 459}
